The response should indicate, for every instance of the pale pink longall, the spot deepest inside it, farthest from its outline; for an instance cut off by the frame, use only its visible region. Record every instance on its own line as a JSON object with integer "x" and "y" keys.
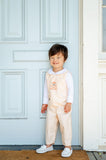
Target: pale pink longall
{"x": 57, "y": 92}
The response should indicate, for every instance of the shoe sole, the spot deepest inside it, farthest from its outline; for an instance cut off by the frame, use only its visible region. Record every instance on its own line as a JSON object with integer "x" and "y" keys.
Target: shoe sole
{"x": 44, "y": 151}
{"x": 65, "y": 156}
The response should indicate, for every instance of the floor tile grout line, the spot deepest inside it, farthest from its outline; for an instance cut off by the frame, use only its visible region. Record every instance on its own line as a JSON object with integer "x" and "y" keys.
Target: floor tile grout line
{"x": 94, "y": 155}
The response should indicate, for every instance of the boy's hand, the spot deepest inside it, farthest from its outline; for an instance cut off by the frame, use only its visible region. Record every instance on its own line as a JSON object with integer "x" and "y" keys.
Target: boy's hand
{"x": 44, "y": 108}
{"x": 67, "y": 107}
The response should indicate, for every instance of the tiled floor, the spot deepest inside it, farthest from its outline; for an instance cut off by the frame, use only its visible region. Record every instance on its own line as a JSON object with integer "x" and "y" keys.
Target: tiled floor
{"x": 97, "y": 155}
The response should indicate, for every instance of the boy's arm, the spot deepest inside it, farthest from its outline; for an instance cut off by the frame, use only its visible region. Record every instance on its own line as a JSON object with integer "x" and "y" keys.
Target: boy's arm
{"x": 69, "y": 82}
{"x": 45, "y": 94}
{"x": 70, "y": 86}
{"x": 45, "y": 98}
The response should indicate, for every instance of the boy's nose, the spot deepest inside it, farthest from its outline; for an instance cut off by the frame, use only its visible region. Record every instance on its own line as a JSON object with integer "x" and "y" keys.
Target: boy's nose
{"x": 55, "y": 59}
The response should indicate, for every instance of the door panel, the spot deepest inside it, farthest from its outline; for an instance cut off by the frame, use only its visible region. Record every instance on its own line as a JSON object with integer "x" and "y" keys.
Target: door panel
{"x": 28, "y": 28}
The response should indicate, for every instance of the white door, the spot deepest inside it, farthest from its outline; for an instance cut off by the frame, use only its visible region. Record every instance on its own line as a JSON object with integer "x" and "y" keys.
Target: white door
{"x": 28, "y": 28}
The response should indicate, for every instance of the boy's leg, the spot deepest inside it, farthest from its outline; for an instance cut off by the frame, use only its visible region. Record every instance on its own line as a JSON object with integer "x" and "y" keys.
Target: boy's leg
{"x": 51, "y": 126}
{"x": 51, "y": 129}
{"x": 66, "y": 128}
{"x": 66, "y": 131}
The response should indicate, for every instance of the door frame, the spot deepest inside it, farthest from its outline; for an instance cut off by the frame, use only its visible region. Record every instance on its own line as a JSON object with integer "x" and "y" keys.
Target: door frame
{"x": 88, "y": 74}
{"x": 81, "y": 72}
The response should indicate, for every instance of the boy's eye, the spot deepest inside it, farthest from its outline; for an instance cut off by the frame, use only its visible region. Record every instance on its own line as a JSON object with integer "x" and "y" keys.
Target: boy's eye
{"x": 51, "y": 58}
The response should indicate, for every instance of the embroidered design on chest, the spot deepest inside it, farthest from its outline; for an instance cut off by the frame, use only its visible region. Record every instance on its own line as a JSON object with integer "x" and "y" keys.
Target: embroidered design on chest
{"x": 53, "y": 85}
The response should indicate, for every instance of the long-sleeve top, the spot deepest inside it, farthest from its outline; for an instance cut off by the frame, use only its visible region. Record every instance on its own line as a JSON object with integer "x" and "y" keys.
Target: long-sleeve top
{"x": 69, "y": 82}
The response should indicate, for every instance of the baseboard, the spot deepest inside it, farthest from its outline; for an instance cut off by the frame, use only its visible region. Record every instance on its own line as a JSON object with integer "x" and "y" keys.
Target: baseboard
{"x": 34, "y": 147}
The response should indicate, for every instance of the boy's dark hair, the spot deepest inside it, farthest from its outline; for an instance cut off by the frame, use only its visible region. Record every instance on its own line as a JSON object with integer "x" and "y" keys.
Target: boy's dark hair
{"x": 58, "y": 48}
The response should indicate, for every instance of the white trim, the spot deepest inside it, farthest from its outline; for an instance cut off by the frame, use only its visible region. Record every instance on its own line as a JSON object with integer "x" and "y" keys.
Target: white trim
{"x": 102, "y": 54}
{"x": 81, "y": 72}
{"x": 90, "y": 75}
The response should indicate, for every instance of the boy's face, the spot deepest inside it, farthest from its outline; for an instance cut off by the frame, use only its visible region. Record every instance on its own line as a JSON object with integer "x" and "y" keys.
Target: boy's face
{"x": 57, "y": 61}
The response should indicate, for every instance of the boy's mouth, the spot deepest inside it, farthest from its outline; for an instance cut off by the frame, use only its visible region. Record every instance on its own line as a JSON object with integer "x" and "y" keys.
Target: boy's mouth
{"x": 55, "y": 63}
